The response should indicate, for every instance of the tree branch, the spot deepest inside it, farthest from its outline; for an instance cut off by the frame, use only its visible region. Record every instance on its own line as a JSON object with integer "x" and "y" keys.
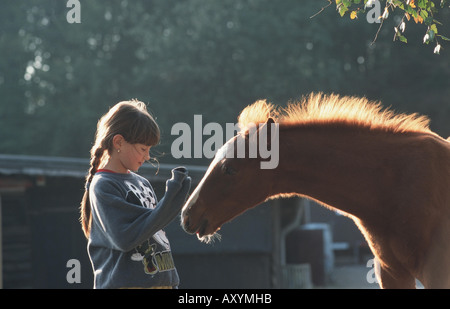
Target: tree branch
{"x": 322, "y": 9}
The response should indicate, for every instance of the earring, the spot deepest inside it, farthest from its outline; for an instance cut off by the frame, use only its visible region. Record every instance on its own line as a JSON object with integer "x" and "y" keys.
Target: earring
{"x": 118, "y": 150}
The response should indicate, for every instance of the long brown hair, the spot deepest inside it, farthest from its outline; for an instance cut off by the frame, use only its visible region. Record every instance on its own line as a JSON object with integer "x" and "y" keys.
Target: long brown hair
{"x": 129, "y": 119}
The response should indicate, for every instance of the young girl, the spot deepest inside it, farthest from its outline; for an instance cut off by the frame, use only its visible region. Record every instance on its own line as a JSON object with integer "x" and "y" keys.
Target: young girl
{"x": 120, "y": 214}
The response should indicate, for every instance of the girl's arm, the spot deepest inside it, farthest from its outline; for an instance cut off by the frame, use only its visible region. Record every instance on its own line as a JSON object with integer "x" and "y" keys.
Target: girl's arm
{"x": 126, "y": 225}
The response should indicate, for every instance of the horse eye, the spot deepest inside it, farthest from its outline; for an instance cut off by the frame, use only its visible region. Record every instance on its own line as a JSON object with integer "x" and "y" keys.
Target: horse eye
{"x": 228, "y": 170}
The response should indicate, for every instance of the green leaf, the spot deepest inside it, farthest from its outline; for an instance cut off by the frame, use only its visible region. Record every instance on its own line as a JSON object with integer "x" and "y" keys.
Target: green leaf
{"x": 422, "y": 4}
{"x": 402, "y": 38}
{"x": 444, "y": 38}
{"x": 434, "y": 28}
{"x": 431, "y": 34}
{"x": 423, "y": 14}
{"x": 428, "y": 21}
{"x": 342, "y": 10}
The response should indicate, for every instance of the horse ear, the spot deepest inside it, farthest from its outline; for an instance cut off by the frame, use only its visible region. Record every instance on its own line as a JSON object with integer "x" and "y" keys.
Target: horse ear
{"x": 267, "y": 126}
{"x": 269, "y": 135}
{"x": 254, "y": 131}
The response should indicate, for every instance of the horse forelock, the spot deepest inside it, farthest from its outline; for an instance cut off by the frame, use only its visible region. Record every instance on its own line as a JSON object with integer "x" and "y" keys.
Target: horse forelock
{"x": 320, "y": 108}
{"x": 258, "y": 112}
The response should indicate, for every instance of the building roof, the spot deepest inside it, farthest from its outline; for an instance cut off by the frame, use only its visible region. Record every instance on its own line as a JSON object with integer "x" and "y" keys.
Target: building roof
{"x": 78, "y": 167}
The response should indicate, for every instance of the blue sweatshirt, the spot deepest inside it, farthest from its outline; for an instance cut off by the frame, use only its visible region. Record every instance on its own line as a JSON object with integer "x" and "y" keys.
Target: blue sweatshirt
{"x": 127, "y": 246}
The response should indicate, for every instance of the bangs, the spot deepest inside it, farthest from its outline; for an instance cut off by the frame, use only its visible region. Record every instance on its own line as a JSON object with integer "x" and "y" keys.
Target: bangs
{"x": 143, "y": 130}
{"x": 132, "y": 120}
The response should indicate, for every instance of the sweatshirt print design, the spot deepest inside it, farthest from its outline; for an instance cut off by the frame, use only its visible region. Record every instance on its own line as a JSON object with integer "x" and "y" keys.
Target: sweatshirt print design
{"x": 154, "y": 261}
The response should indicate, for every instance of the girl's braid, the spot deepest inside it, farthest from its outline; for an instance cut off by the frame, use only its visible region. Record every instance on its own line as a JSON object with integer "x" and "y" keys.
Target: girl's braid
{"x": 86, "y": 217}
{"x": 95, "y": 162}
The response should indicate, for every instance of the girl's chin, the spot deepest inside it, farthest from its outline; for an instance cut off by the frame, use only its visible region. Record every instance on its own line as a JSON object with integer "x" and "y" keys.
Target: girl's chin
{"x": 136, "y": 169}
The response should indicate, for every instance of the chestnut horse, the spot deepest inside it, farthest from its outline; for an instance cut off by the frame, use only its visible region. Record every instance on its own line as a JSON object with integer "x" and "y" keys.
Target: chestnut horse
{"x": 388, "y": 172}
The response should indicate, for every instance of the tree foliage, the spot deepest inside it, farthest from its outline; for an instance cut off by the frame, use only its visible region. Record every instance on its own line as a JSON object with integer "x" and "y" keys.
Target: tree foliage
{"x": 420, "y": 11}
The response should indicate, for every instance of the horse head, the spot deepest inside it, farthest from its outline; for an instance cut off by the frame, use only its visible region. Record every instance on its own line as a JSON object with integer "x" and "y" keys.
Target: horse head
{"x": 233, "y": 183}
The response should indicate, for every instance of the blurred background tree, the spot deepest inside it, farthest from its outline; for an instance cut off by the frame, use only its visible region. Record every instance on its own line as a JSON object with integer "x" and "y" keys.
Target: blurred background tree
{"x": 196, "y": 57}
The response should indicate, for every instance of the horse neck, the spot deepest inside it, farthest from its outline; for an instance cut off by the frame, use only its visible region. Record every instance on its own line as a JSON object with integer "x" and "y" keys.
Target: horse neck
{"x": 339, "y": 166}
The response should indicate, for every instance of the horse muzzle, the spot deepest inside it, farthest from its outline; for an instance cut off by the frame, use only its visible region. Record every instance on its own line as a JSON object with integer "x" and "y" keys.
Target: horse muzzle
{"x": 192, "y": 222}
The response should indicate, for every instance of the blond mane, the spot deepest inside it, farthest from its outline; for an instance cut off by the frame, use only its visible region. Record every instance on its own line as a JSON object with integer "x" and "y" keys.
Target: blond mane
{"x": 320, "y": 108}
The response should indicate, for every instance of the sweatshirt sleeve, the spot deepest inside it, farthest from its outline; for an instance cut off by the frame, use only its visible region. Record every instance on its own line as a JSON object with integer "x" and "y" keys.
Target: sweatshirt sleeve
{"x": 124, "y": 225}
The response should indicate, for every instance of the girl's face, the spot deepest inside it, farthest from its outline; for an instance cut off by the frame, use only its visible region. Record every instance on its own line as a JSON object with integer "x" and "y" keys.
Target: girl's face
{"x": 132, "y": 156}
{"x": 125, "y": 156}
